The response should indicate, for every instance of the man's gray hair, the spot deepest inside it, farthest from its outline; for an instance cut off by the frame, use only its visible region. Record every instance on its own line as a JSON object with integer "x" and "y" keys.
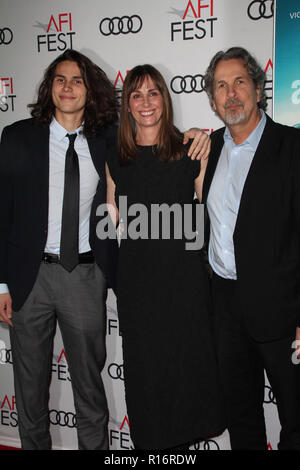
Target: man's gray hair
{"x": 254, "y": 70}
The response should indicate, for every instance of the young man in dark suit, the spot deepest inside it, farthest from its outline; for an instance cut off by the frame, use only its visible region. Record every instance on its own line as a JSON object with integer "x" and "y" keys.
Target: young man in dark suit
{"x": 53, "y": 267}
{"x": 252, "y": 193}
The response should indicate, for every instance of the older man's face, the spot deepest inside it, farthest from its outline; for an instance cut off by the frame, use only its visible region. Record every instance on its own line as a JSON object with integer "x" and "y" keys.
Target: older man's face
{"x": 235, "y": 97}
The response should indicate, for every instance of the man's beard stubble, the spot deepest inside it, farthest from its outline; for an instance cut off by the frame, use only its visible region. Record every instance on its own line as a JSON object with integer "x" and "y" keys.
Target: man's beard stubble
{"x": 235, "y": 116}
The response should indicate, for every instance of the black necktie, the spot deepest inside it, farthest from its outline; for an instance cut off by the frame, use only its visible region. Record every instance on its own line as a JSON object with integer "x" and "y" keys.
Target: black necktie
{"x": 70, "y": 212}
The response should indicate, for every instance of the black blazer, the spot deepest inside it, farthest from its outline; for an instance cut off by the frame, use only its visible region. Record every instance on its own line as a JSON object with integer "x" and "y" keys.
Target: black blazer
{"x": 267, "y": 232}
{"x": 24, "y": 188}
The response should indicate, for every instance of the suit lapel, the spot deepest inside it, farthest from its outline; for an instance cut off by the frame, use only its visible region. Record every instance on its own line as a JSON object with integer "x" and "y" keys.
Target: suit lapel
{"x": 258, "y": 171}
{"x": 41, "y": 137}
{"x": 216, "y": 148}
{"x": 41, "y": 154}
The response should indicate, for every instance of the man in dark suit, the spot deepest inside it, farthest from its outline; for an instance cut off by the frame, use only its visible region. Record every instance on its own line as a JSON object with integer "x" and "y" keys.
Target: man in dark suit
{"x": 252, "y": 193}
{"x": 53, "y": 266}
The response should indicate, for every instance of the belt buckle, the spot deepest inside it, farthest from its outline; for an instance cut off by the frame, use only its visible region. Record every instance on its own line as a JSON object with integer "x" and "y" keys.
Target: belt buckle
{"x": 47, "y": 258}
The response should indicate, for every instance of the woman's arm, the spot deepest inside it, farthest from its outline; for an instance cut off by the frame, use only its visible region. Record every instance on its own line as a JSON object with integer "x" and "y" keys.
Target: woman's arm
{"x": 198, "y": 182}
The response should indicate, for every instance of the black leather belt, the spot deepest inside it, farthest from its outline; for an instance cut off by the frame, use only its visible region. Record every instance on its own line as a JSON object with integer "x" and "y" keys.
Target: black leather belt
{"x": 87, "y": 257}
{"x": 223, "y": 279}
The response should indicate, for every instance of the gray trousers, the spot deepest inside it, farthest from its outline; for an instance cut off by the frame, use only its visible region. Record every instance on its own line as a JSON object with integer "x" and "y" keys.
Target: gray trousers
{"x": 77, "y": 301}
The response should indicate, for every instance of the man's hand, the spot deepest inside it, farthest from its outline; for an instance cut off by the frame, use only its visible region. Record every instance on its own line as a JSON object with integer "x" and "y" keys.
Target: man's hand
{"x": 200, "y": 147}
{"x": 5, "y": 308}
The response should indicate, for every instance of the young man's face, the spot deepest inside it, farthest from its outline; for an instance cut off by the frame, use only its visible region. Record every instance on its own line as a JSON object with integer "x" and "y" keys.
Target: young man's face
{"x": 68, "y": 89}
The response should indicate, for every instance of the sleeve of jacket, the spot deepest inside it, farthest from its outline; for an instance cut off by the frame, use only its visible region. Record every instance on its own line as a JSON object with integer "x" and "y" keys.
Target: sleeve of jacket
{"x": 112, "y": 135}
{"x": 296, "y": 182}
{"x": 296, "y": 191}
{"x": 6, "y": 198}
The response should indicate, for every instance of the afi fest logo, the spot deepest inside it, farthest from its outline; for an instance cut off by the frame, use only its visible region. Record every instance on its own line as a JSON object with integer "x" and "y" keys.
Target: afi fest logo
{"x": 120, "y": 79}
{"x": 112, "y": 323}
{"x": 197, "y": 20}
{"x": 7, "y": 95}
{"x": 59, "y": 33}
{"x": 120, "y": 437}
{"x": 269, "y": 80}
{"x": 8, "y": 412}
{"x": 60, "y": 367}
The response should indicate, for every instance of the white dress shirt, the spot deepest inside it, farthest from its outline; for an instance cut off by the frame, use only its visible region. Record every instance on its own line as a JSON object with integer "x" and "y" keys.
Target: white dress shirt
{"x": 224, "y": 198}
{"x": 89, "y": 179}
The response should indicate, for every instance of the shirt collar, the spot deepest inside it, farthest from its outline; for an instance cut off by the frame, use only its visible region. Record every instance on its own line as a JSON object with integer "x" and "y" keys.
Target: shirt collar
{"x": 255, "y": 136}
{"x": 59, "y": 132}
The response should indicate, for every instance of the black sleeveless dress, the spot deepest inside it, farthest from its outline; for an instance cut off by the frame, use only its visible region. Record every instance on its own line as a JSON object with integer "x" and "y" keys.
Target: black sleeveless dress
{"x": 163, "y": 299}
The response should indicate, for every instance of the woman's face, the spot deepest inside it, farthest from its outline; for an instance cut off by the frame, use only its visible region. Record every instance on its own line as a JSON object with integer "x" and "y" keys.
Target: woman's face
{"x": 146, "y": 106}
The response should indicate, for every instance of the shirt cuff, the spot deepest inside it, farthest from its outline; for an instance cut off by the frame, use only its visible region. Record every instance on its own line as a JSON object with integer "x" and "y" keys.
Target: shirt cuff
{"x": 4, "y": 289}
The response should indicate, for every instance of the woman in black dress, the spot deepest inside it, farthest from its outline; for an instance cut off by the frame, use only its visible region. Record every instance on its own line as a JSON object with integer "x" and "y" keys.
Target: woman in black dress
{"x": 171, "y": 384}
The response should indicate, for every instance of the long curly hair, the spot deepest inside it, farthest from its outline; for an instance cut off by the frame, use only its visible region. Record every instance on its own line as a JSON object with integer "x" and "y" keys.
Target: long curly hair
{"x": 102, "y": 103}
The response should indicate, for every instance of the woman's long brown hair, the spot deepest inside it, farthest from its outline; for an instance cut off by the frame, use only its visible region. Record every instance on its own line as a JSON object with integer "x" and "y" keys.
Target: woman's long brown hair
{"x": 169, "y": 146}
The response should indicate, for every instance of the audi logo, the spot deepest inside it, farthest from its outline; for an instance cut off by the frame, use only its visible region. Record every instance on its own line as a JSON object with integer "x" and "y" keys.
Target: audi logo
{"x": 115, "y": 371}
{"x": 6, "y": 36}
{"x": 124, "y": 25}
{"x": 210, "y": 445}
{"x": 63, "y": 418}
{"x": 187, "y": 84}
{"x": 5, "y": 356}
{"x": 269, "y": 395}
{"x": 259, "y": 9}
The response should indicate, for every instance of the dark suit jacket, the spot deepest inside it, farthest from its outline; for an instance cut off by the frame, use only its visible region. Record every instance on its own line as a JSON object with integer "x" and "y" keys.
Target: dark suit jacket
{"x": 267, "y": 232}
{"x": 24, "y": 187}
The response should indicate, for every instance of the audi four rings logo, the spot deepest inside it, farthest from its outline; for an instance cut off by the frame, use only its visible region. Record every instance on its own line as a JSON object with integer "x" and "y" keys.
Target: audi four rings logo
{"x": 6, "y": 36}
{"x": 124, "y": 25}
{"x": 187, "y": 84}
{"x": 269, "y": 395}
{"x": 62, "y": 418}
{"x": 5, "y": 356}
{"x": 259, "y": 9}
{"x": 115, "y": 371}
{"x": 210, "y": 444}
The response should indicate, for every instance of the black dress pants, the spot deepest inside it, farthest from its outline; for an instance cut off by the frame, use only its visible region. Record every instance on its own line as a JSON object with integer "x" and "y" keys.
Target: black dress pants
{"x": 242, "y": 362}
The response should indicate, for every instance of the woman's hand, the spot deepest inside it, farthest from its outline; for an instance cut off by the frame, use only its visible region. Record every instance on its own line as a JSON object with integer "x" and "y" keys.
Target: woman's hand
{"x": 5, "y": 308}
{"x": 200, "y": 147}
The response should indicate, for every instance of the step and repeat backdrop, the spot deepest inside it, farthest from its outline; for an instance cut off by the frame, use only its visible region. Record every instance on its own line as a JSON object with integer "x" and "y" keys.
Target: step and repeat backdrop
{"x": 179, "y": 37}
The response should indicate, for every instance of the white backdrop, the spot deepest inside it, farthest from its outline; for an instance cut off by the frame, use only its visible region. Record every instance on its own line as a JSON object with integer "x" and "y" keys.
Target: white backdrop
{"x": 179, "y": 37}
